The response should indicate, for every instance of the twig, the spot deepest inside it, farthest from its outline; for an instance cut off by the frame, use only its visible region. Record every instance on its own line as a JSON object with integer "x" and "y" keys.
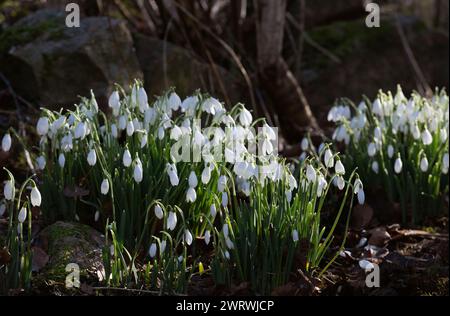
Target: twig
{"x": 105, "y": 288}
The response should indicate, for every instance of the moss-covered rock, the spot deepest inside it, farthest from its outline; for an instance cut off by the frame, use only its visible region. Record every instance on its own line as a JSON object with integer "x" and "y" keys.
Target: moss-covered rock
{"x": 68, "y": 243}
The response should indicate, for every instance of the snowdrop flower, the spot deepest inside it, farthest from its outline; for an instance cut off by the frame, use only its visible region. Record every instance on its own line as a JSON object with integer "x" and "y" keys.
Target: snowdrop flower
{"x": 22, "y": 215}
{"x": 304, "y": 144}
{"x": 92, "y": 157}
{"x": 340, "y": 182}
{"x": 142, "y": 99}
{"x": 191, "y": 195}
{"x": 357, "y": 185}
{"x": 9, "y": 190}
{"x": 6, "y": 142}
{"x": 104, "y": 187}
{"x": 163, "y": 245}
{"x": 173, "y": 176}
{"x": 193, "y": 179}
{"x": 130, "y": 128}
{"x": 443, "y": 135}
{"x": 80, "y": 131}
{"x": 229, "y": 243}
{"x": 126, "y": 158}
{"x": 42, "y": 126}
{"x": 424, "y": 164}
{"x": 176, "y": 133}
{"x": 172, "y": 221}
{"x": 310, "y": 173}
{"x": 161, "y": 132}
{"x": 322, "y": 183}
{"x": 41, "y": 162}
{"x": 152, "y": 250}
{"x": 328, "y": 158}
{"x": 61, "y": 160}
{"x": 375, "y": 167}
{"x": 398, "y": 165}
{"x": 245, "y": 118}
{"x": 158, "y": 211}
{"x": 114, "y": 131}
{"x": 122, "y": 122}
{"x": 371, "y": 149}
{"x": 207, "y": 237}
{"x": 224, "y": 199}
{"x": 339, "y": 168}
{"x": 188, "y": 237}
{"x": 206, "y": 175}
{"x": 295, "y": 235}
{"x": 174, "y": 101}
{"x": 96, "y": 216}
{"x": 366, "y": 265}
{"x": 415, "y": 131}
{"x": 445, "y": 163}
{"x": 226, "y": 254}
{"x": 114, "y": 100}
{"x": 390, "y": 151}
{"x": 361, "y": 196}
{"x": 35, "y": 196}
{"x": 427, "y": 139}
{"x": 377, "y": 107}
{"x": 2, "y": 209}
{"x": 222, "y": 183}
{"x": 213, "y": 210}
{"x": 377, "y": 133}
{"x": 138, "y": 173}
{"x": 225, "y": 230}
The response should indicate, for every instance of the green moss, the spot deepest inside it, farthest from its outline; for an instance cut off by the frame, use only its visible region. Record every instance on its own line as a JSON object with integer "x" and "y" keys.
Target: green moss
{"x": 18, "y": 35}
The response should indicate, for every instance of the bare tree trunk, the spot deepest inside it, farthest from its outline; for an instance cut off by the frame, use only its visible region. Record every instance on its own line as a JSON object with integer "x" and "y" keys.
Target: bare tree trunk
{"x": 275, "y": 76}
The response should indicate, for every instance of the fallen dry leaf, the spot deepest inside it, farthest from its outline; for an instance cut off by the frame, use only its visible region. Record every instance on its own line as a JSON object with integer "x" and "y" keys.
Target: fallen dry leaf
{"x": 361, "y": 216}
{"x": 379, "y": 237}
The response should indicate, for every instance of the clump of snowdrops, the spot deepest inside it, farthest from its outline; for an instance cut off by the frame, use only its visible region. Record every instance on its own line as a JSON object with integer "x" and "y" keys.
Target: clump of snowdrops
{"x": 237, "y": 212}
{"x": 400, "y": 144}
{"x": 15, "y": 266}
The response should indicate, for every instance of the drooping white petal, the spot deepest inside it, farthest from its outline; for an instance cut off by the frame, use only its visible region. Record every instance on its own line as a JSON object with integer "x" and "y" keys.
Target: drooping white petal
{"x": 126, "y": 159}
{"x": 6, "y": 142}
{"x": 158, "y": 211}
{"x": 35, "y": 196}
{"x": 104, "y": 187}
{"x": 22, "y": 215}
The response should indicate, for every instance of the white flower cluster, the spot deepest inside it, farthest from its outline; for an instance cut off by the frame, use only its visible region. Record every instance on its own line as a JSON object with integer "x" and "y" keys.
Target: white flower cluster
{"x": 392, "y": 125}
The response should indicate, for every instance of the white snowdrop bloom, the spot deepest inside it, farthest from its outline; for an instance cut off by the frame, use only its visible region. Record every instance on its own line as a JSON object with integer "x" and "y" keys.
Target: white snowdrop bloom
{"x": 59, "y": 123}
{"x": 310, "y": 173}
{"x": 340, "y": 182}
{"x": 80, "y": 131}
{"x": 114, "y": 131}
{"x": 292, "y": 182}
{"x": 213, "y": 210}
{"x": 222, "y": 183}
{"x": 152, "y": 250}
{"x": 445, "y": 163}
{"x": 6, "y": 142}
{"x": 225, "y": 230}
{"x": 188, "y": 237}
{"x": 96, "y": 216}
{"x": 328, "y": 158}
{"x": 193, "y": 182}
{"x": 35, "y": 197}
{"x": 357, "y": 185}
{"x": 366, "y": 265}
{"x": 176, "y": 133}
{"x": 189, "y": 104}
{"x": 2, "y": 209}
{"x": 361, "y": 196}
{"x": 161, "y": 133}
{"x": 207, "y": 237}
{"x": 371, "y": 149}
{"x": 159, "y": 212}
{"x": 149, "y": 116}
{"x": 362, "y": 242}
{"x": 163, "y": 245}
{"x": 104, "y": 187}
{"x": 130, "y": 128}
{"x": 191, "y": 195}
{"x": 427, "y": 139}
{"x": 171, "y": 221}
{"x": 22, "y": 215}
{"x": 172, "y": 173}
{"x": 415, "y": 131}
{"x": 114, "y": 100}
{"x": 174, "y": 101}
{"x": 377, "y": 107}
{"x": 9, "y": 190}
{"x": 226, "y": 254}
{"x": 229, "y": 243}
{"x": 122, "y": 122}
{"x": 398, "y": 165}
{"x": 142, "y": 99}
{"x": 42, "y": 126}
{"x": 375, "y": 167}
{"x": 206, "y": 175}
{"x": 322, "y": 183}
{"x": 339, "y": 168}
{"x": 126, "y": 158}
{"x": 443, "y": 135}
{"x": 61, "y": 160}
{"x": 295, "y": 235}
{"x": 224, "y": 199}
{"x": 390, "y": 151}
{"x": 92, "y": 157}
{"x": 67, "y": 143}
{"x": 377, "y": 133}
{"x": 144, "y": 139}
{"x": 245, "y": 117}
{"x": 41, "y": 162}
{"x": 288, "y": 196}
{"x": 138, "y": 172}
{"x": 304, "y": 144}
{"x": 424, "y": 164}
